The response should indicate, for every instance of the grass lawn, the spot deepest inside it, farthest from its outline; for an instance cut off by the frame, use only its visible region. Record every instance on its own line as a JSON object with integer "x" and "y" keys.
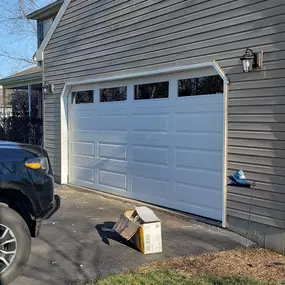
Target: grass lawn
{"x": 237, "y": 267}
{"x": 169, "y": 277}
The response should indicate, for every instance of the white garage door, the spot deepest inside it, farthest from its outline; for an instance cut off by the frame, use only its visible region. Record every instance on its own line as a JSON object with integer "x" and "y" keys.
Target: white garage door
{"x": 158, "y": 140}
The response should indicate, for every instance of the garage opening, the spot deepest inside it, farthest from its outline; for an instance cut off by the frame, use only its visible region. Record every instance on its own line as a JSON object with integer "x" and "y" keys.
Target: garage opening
{"x": 158, "y": 139}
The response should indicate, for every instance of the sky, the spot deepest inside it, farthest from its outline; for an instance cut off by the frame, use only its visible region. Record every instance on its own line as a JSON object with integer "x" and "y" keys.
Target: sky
{"x": 16, "y": 44}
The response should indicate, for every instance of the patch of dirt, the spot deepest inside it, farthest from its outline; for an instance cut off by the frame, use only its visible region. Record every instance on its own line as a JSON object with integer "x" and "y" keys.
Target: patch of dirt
{"x": 259, "y": 264}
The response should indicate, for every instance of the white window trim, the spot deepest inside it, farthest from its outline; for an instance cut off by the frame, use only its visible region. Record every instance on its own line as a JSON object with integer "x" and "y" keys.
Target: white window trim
{"x": 64, "y": 116}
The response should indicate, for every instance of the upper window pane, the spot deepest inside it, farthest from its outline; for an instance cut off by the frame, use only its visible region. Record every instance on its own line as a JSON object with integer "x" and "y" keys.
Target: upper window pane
{"x": 152, "y": 91}
{"x": 83, "y": 97}
{"x": 200, "y": 86}
{"x": 113, "y": 94}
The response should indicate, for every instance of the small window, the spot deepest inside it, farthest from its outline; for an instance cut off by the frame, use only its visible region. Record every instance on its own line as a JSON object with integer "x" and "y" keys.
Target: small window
{"x": 83, "y": 97}
{"x": 200, "y": 86}
{"x": 113, "y": 94}
{"x": 152, "y": 91}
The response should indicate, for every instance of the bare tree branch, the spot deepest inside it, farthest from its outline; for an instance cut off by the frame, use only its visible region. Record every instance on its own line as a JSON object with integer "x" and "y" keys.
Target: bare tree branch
{"x": 6, "y": 54}
{"x": 18, "y": 33}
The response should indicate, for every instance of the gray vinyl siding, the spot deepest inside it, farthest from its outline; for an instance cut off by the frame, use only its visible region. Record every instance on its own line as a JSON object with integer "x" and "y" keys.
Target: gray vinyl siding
{"x": 105, "y": 38}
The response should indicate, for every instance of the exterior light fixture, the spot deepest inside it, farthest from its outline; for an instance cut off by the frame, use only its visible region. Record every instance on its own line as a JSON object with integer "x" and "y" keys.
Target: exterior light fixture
{"x": 47, "y": 89}
{"x": 251, "y": 60}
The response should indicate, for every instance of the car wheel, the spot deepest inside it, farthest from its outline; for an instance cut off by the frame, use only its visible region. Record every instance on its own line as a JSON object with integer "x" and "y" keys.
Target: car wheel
{"x": 15, "y": 244}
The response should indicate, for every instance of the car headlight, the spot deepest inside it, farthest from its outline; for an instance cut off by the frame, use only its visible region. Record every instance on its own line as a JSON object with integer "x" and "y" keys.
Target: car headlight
{"x": 39, "y": 163}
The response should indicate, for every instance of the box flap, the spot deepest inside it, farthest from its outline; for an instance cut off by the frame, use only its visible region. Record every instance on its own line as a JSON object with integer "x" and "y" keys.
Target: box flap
{"x": 126, "y": 226}
{"x": 147, "y": 215}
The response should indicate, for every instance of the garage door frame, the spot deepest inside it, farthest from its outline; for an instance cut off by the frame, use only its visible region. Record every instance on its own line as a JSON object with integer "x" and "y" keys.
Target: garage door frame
{"x": 64, "y": 115}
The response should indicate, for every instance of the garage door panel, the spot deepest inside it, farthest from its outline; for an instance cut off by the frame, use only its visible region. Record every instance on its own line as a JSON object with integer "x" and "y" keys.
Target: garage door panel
{"x": 150, "y": 171}
{"x": 83, "y": 162}
{"x": 185, "y": 105}
{"x": 112, "y": 190}
{"x": 82, "y": 136}
{"x": 82, "y": 148}
{"x": 147, "y": 189}
{"x": 204, "y": 178}
{"x": 112, "y": 151}
{"x": 77, "y": 111}
{"x": 199, "y": 210}
{"x": 188, "y": 123}
{"x": 112, "y": 179}
{"x": 150, "y": 123}
{"x": 82, "y": 124}
{"x": 82, "y": 183}
{"x": 149, "y": 140}
{"x": 199, "y": 196}
{"x": 152, "y": 155}
{"x": 95, "y": 163}
{"x": 112, "y": 123}
{"x": 199, "y": 141}
{"x": 160, "y": 105}
{"x": 199, "y": 159}
{"x": 82, "y": 174}
{"x": 105, "y": 108}
{"x": 111, "y": 138}
{"x": 111, "y": 165}
{"x": 153, "y": 110}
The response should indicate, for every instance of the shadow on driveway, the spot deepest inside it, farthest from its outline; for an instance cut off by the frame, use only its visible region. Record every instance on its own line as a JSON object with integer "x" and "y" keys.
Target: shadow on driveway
{"x": 109, "y": 236}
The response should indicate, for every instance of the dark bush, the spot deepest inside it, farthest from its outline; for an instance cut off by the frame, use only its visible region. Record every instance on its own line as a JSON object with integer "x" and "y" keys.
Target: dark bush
{"x": 22, "y": 129}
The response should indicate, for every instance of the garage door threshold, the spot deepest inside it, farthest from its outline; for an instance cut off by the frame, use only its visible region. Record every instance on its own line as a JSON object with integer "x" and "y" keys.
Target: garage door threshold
{"x": 135, "y": 203}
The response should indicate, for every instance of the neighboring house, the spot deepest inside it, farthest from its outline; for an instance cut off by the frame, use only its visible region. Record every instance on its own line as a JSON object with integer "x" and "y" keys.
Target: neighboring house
{"x": 7, "y": 105}
{"x": 150, "y": 102}
{"x": 29, "y": 82}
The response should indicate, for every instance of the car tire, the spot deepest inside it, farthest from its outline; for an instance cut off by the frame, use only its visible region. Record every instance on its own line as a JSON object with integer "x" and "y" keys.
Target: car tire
{"x": 13, "y": 227}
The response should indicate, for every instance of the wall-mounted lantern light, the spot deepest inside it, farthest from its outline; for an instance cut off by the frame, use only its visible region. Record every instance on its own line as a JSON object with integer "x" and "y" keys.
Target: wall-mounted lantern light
{"x": 251, "y": 60}
{"x": 47, "y": 89}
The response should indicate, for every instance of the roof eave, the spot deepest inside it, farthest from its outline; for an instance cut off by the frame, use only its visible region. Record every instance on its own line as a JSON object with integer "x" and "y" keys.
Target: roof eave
{"x": 46, "y": 11}
{"x": 37, "y": 76}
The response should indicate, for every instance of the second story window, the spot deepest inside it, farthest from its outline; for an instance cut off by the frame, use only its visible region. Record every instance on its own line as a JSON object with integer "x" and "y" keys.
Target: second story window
{"x": 43, "y": 28}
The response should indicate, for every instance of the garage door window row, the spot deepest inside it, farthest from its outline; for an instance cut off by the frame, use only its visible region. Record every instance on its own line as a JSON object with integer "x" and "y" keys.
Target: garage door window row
{"x": 206, "y": 85}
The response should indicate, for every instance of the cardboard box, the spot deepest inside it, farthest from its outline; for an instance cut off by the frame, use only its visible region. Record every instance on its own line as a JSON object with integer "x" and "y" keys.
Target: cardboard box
{"x": 143, "y": 228}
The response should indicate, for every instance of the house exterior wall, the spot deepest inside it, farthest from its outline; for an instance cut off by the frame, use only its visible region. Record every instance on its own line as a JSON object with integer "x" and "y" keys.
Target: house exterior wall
{"x": 107, "y": 38}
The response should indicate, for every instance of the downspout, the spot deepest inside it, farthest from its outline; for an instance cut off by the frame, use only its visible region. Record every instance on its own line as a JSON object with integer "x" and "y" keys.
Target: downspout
{"x": 43, "y": 97}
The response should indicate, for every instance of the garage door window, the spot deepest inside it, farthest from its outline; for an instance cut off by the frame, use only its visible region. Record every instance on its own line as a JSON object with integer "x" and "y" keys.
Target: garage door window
{"x": 113, "y": 94}
{"x": 200, "y": 86}
{"x": 152, "y": 91}
{"x": 83, "y": 97}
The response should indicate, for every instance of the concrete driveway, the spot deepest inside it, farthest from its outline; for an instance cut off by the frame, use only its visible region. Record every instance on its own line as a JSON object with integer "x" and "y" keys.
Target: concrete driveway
{"x": 72, "y": 248}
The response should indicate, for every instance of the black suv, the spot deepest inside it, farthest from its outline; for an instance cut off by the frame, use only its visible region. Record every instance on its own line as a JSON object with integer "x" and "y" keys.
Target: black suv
{"x": 26, "y": 198}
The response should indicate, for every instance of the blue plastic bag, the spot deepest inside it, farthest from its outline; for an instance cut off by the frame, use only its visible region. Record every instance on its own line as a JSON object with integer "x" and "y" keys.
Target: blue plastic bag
{"x": 238, "y": 179}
